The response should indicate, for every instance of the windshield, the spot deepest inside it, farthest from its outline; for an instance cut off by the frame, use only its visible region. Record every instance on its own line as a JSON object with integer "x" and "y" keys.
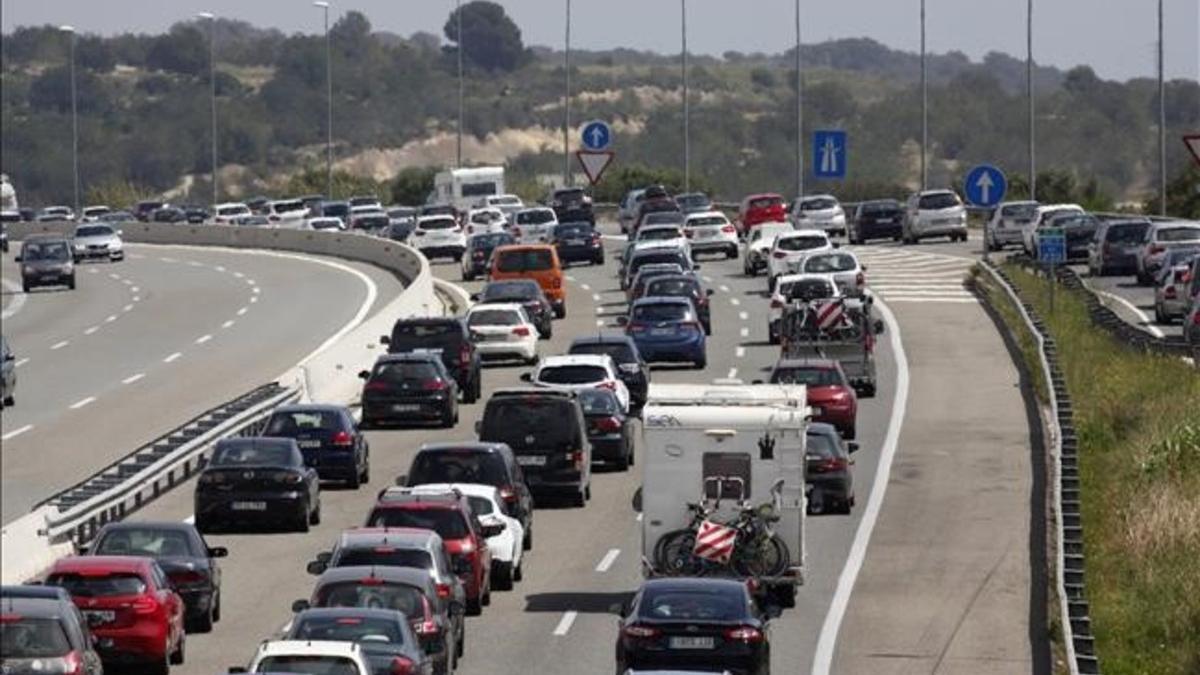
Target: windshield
{"x": 504, "y": 290}
{"x": 693, "y": 201}
{"x": 232, "y": 210}
{"x": 535, "y": 217}
{"x": 818, "y": 204}
{"x": 765, "y": 202}
{"x": 54, "y": 251}
{"x": 505, "y": 201}
{"x": 445, "y": 521}
{"x": 663, "y": 218}
{"x": 659, "y": 234}
{"x": 513, "y": 419}
{"x": 491, "y": 240}
{"x": 94, "y": 231}
{"x": 938, "y": 200}
{"x": 671, "y": 257}
{"x": 821, "y": 446}
{"x": 347, "y": 629}
{"x": 801, "y": 243}
{"x": 385, "y": 556}
{"x": 572, "y": 374}
{"x": 26, "y": 637}
{"x": 1177, "y": 234}
{"x": 236, "y": 454}
{"x": 493, "y": 317}
{"x": 308, "y": 665}
{"x": 881, "y": 207}
{"x": 661, "y": 312}
{"x": 525, "y": 260}
{"x": 486, "y": 217}
{"x": 438, "y": 224}
{"x": 97, "y": 585}
{"x": 458, "y": 466}
{"x": 807, "y": 290}
{"x": 599, "y": 402}
{"x": 152, "y": 542}
{"x": 300, "y": 421}
{"x": 373, "y": 593}
{"x": 693, "y": 605}
{"x": 673, "y": 287}
{"x": 833, "y": 262}
{"x": 812, "y": 376}
{"x": 282, "y": 207}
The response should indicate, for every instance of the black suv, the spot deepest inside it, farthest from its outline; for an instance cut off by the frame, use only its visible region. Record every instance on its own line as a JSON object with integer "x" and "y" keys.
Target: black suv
{"x": 572, "y": 204}
{"x": 632, "y": 370}
{"x": 492, "y": 464}
{"x": 407, "y": 388}
{"x": 548, "y": 433}
{"x": 448, "y": 336}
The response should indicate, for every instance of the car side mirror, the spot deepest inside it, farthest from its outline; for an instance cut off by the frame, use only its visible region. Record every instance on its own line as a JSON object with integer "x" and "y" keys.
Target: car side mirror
{"x": 17, "y": 259}
{"x": 82, "y": 549}
{"x": 708, "y": 292}
{"x": 218, "y": 552}
{"x": 474, "y": 297}
{"x": 493, "y": 529}
{"x": 300, "y": 605}
{"x": 315, "y": 568}
{"x": 478, "y": 426}
{"x": 622, "y": 320}
{"x": 852, "y": 447}
{"x": 527, "y": 377}
{"x": 864, "y": 268}
{"x": 878, "y": 326}
{"x": 364, "y": 374}
{"x": 385, "y": 339}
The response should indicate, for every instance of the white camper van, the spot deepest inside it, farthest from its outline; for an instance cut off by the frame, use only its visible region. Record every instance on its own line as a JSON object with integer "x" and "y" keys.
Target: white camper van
{"x": 464, "y": 188}
{"x": 728, "y": 445}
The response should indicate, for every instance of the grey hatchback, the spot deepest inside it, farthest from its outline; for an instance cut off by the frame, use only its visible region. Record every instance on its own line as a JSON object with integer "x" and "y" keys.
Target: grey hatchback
{"x": 43, "y": 632}
{"x": 46, "y": 261}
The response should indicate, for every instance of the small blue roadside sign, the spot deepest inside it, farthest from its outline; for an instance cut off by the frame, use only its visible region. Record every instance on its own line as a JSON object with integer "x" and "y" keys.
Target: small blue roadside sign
{"x": 985, "y": 186}
{"x": 596, "y": 135}
{"x": 829, "y": 153}
{"x": 1052, "y": 245}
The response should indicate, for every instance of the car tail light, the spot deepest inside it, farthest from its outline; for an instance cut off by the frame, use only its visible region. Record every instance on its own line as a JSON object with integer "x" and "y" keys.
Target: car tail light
{"x": 464, "y": 354}
{"x": 860, "y": 279}
{"x": 434, "y": 385}
{"x": 144, "y": 605}
{"x": 521, "y": 331}
{"x": 466, "y": 548}
{"x": 640, "y": 632}
{"x": 747, "y": 634}
{"x": 376, "y": 386}
{"x": 342, "y": 439}
{"x": 401, "y": 666}
{"x": 636, "y": 328}
{"x": 1169, "y": 293}
{"x": 778, "y": 255}
{"x": 728, "y": 229}
{"x": 577, "y": 459}
{"x": 508, "y": 494}
{"x": 776, "y": 303}
{"x": 71, "y": 663}
{"x": 608, "y": 424}
{"x": 443, "y": 590}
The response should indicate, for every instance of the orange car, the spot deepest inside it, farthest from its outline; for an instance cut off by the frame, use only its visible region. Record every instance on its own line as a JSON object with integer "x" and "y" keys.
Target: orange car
{"x": 532, "y": 261}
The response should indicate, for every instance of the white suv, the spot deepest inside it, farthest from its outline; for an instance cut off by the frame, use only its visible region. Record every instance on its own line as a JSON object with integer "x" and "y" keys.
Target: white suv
{"x": 935, "y": 213}
{"x": 758, "y": 246}
{"x": 310, "y": 656}
{"x": 711, "y": 232}
{"x": 534, "y": 226}
{"x": 790, "y": 249}
{"x": 227, "y": 213}
{"x": 439, "y": 237}
{"x": 573, "y": 372}
{"x": 820, "y": 212}
{"x": 1008, "y": 223}
{"x": 506, "y": 541}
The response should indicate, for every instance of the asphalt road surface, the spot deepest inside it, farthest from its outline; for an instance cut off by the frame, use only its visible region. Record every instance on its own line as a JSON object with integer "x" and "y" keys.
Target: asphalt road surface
{"x": 930, "y": 574}
{"x": 143, "y": 345}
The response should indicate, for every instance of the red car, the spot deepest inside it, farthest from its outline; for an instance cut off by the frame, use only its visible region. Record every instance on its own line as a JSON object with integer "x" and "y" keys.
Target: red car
{"x": 134, "y": 615}
{"x": 761, "y": 208}
{"x": 830, "y": 395}
{"x": 450, "y": 515}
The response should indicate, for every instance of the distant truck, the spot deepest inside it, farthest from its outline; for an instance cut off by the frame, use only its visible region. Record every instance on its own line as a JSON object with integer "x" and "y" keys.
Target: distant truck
{"x": 729, "y": 446}
{"x": 466, "y": 188}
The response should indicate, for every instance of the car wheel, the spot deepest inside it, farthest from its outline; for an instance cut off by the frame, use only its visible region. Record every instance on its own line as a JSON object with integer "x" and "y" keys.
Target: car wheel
{"x": 448, "y": 418}
{"x": 851, "y": 433}
{"x": 701, "y": 363}
{"x": 622, "y": 462}
{"x": 9, "y": 401}
{"x": 178, "y": 655}
{"x": 71, "y": 282}
{"x": 549, "y": 331}
{"x": 578, "y": 500}
{"x": 467, "y": 276}
{"x": 474, "y": 608}
{"x": 216, "y": 615}
{"x": 25, "y": 287}
{"x": 502, "y": 576}
{"x": 161, "y": 667}
{"x": 487, "y": 595}
{"x": 204, "y": 623}
{"x": 518, "y": 573}
{"x": 527, "y": 541}
{"x": 303, "y": 519}
{"x": 587, "y": 492}
{"x": 366, "y": 473}
{"x": 315, "y": 518}
{"x": 355, "y": 479}
{"x": 731, "y": 254}
{"x": 560, "y": 312}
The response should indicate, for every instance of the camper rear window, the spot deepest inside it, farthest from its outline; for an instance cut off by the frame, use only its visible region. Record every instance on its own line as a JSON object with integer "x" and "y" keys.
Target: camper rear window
{"x": 728, "y": 466}
{"x": 478, "y": 189}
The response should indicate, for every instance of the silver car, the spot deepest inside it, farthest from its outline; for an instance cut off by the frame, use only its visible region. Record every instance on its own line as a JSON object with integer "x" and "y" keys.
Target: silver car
{"x": 847, "y": 272}
{"x": 8, "y": 374}
{"x": 1172, "y": 284}
{"x": 1161, "y": 237}
{"x": 95, "y": 241}
{"x": 1191, "y": 324}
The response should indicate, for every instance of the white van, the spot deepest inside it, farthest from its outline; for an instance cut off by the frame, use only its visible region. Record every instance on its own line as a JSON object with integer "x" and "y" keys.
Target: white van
{"x": 726, "y": 443}
{"x": 464, "y": 188}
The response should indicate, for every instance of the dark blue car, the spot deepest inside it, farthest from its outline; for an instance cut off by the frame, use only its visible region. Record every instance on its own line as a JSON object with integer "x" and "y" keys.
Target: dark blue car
{"x": 328, "y": 438}
{"x": 667, "y": 329}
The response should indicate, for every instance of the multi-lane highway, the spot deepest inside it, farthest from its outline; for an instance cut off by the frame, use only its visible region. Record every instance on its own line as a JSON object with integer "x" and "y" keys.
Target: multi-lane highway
{"x": 143, "y": 345}
{"x": 931, "y": 573}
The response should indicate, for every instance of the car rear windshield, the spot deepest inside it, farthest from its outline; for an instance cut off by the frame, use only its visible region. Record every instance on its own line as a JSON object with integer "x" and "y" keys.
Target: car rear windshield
{"x": 491, "y": 240}
{"x": 372, "y": 592}
{"x": 1178, "y": 234}
{"x": 802, "y": 243}
{"x": 93, "y": 231}
{"x": 599, "y": 402}
{"x": 238, "y": 454}
{"x": 308, "y": 665}
{"x": 525, "y": 260}
{"x": 535, "y": 217}
{"x": 385, "y": 556}
{"x": 706, "y": 221}
{"x": 480, "y": 506}
{"x": 672, "y": 287}
{"x": 807, "y": 290}
{"x": 693, "y": 605}
{"x": 1019, "y": 210}
{"x": 833, "y": 262}
{"x": 569, "y": 194}
{"x": 576, "y": 374}
{"x": 458, "y": 466}
{"x": 485, "y": 217}
{"x": 414, "y": 335}
{"x": 98, "y": 585}
{"x": 493, "y": 317}
{"x": 405, "y": 372}
{"x": 504, "y": 290}
{"x": 27, "y": 637}
{"x": 288, "y": 423}
{"x": 692, "y": 201}
{"x": 821, "y": 445}
{"x": 812, "y": 376}
{"x": 818, "y": 204}
{"x": 438, "y": 224}
{"x": 663, "y": 218}
{"x": 447, "y": 522}
{"x": 658, "y": 234}
{"x": 55, "y": 250}
{"x": 1127, "y": 233}
{"x": 149, "y": 541}
{"x": 660, "y": 312}
{"x": 881, "y": 207}
{"x": 512, "y": 418}
{"x": 621, "y": 353}
{"x": 941, "y": 200}
{"x": 573, "y": 230}
{"x": 765, "y": 202}
{"x": 347, "y": 629}
{"x": 663, "y": 258}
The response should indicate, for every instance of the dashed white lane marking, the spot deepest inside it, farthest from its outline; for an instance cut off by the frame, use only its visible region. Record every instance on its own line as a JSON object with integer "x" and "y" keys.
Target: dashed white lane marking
{"x": 202, "y": 339}
{"x": 127, "y": 308}
{"x": 169, "y": 260}
{"x": 18, "y": 300}
{"x": 608, "y": 559}
{"x": 227, "y": 324}
{"x": 740, "y": 352}
{"x": 256, "y": 290}
{"x": 595, "y": 297}
{"x": 113, "y": 275}
{"x": 137, "y": 298}
{"x": 193, "y": 263}
{"x": 585, "y": 287}
{"x": 21, "y": 362}
{"x": 239, "y": 275}
{"x": 127, "y": 282}
{"x": 172, "y": 357}
{"x": 253, "y": 299}
{"x": 250, "y": 281}
{"x": 111, "y": 318}
{"x": 133, "y": 378}
{"x": 599, "y": 322}
{"x": 707, "y": 279}
{"x": 724, "y": 288}
{"x": 745, "y": 332}
{"x": 82, "y": 402}
{"x": 639, "y": 516}
{"x": 219, "y": 268}
{"x": 744, "y": 316}
{"x": 599, "y": 310}
{"x": 570, "y": 278}
{"x": 242, "y": 311}
{"x": 59, "y": 345}
{"x": 135, "y": 289}
{"x": 735, "y": 302}
{"x": 564, "y": 624}
{"x": 91, "y": 330}
{"x": 732, "y": 373}
{"x": 16, "y": 432}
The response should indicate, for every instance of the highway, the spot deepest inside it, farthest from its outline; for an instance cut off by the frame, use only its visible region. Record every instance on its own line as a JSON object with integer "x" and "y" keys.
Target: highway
{"x": 1133, "y": 303}
{"x": 143, "y": 345}
{"x": 931, "y": 573}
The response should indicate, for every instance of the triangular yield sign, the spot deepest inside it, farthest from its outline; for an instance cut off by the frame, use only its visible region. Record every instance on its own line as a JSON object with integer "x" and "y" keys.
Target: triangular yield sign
{"x": 594, "y": 162}
{"x": 1193, "y": 143}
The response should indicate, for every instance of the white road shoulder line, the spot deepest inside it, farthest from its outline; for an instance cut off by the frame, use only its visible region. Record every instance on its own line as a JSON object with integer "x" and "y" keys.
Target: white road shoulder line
{"x": 21, "y": 362}
{"x": 203, "y": 338}
{"x": 607, "y": 561}
{"x": 82, "y": 402}
{"x": 18, "y": 300}
{"x": 16, "y": 432}
{"x": 59, "y": 345}
{"x": 172, "y": 357}
{"x": 564, "y": 624}
{"x": 133, "y": 378}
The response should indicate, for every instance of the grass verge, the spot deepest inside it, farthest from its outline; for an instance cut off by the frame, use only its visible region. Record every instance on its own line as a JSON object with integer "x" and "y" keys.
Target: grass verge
{"x": 1138, "y": 420}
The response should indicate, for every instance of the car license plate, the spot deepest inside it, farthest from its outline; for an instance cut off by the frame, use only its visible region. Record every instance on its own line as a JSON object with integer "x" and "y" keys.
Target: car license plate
{"x": 406, "y": 407}
{"x": 95, "y": 616}
{"x": 817, "y": 410}
{"x": 531, "y": 460}
{"x": 313, "y": 443}
{"x": 575, "y": 242}
{"x": 662, "y": 331}
{"x": 248, "y": 506}
{"x": 49, "y": 277}
{"x": 691, "y": 643}
{"x": 705, "y": 234}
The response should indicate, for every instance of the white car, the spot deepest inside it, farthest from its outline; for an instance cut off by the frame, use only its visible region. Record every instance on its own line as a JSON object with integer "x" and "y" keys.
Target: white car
{"x": 508, "y": 204}
{"x": 324, "y": 223}
{"x": 439, "y": 237}
{"x": 227, "y": 213}
{"x": 819, "y": 212}
{"x": 934, "y": 213}
{"x": 1007, "y": 224}
{"x": 92, "y": 213}
{"x": 486, "y": 221}
{"x": 651, "y": 237}
{"x": 844, "y": 267}
{"x": 791, "y": 248}
{"x": 534, "y": 226}
{"x": 573, "y": 372}
{"x": 286, "y": 212}
{"x": 52, "y": 213}
{"x": 807, "y": 286}
{"x": 757, "y": 247}
{"x": 1161, "y": 237}
{"x": 711, "y": 232}
{"x": 310, "y": 656}
{"x": 1041, "y": 217}
{"x": 489, "y": 508}
{"x": 97, "y": 240}
{"x": 503, "y": 330}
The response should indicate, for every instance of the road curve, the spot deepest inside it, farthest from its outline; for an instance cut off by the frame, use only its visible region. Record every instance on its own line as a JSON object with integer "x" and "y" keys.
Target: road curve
{"x": 143, "y": 345}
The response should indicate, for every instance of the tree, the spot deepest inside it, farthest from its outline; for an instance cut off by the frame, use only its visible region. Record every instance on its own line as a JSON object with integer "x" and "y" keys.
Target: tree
{"x": 1183, "y": 195}
{"x": 313, "y": 181}
{"x": 118, "y": 194}
{"x": 413, "y": 184}
{"x": 184, "y": 50}
{"x": 490, "y": 38}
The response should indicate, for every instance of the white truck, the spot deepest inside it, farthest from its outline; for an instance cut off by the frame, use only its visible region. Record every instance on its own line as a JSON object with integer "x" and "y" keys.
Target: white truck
{"x": 728, "y": 446}
{"x": 464, "y": 188}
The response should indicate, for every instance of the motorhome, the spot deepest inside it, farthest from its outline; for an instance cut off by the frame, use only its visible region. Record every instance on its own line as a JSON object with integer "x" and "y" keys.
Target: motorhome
{"x": 464, "y": 188}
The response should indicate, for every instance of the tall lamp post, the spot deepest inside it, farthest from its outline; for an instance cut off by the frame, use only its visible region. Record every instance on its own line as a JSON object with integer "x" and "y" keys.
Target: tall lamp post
{"x": 328, "y": 102}
{"x": 687, "y": 168}
{"x": 567, "y": 102}
{"x": 1162, "y": 121}
{"x": 1029, "y": 95}
{"x": 459, "y": 52}
{"x": 74, "y": 119}
{"x": 924, "y": 107}
{"x": 212, "y": 80}
{"x": 799, "y": 112}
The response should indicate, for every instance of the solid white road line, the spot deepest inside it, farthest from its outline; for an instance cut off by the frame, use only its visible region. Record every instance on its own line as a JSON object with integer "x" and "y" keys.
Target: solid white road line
{"x": 172, "y": 357}
{"x": 740, "y": 352}
{"x": 823, "y": 657}
{"x": 608, "y": 559}
{"x": 745, "y": 332}
{"x": 21, "y": 362}
{"x": 133, "y": 378}
{"x": 82, "y": 402}
{"x": 1143, "y": 317}
{"x": 59, "y": 345}
{"x": 732, "y": 373}
{"x": 227, "y": 324}
{"x": 203, "y": 338}
{"x": 18, "y": 300}
{"x": 16, "y": 432}
{"x": 744, "y": 316}
{"x": 564, "y": 624}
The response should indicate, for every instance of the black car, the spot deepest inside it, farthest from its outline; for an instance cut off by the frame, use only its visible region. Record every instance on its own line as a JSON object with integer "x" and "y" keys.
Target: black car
{"x": 407, "y": 388}
{"x": 448, "y": 336}
{"x": 547, "y": 432}
{"x": 1079, "y": 230}
{"x": 610, "y": 430}
{"x": 385, "y": 635}
{"x": 144, "y": 209}
{"x": 684, "y": 286}
{"x": 189, "y": 562}
{"x": 878, "y": 219}
{"x": 571, "y": 204}
{"x": 328, "y": 438}
{"x": 694, "y": 624}
{"x": 169, "y": 214}
{"x": 693, "y": 202}
{"x": 338, "y": 209}
{"x": 828, "y": 473}
{"x": 46, "y": 260}
{"x": 477, "y": 259}
{"x": 492, "y": 464}
{"x": 261, "y": 479}
{"x": 195, "y": 214}
{"x": 373, "y": 222}
{"x": 578, "y": 241}
{"x": 528, "y": 294}
{"x": 42, "y": 631}
{"x": 631, "y": 369}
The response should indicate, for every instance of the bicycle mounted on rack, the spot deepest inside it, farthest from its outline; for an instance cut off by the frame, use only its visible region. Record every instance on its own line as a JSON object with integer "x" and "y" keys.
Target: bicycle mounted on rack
{"x": 842, "y": 329}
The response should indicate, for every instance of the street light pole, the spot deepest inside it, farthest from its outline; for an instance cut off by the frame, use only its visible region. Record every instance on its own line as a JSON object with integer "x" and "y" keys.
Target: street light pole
{"x": 567, "y": 102}
{"x": 1029, "y": 95}
{"x": 212, "y": 78}
{"x": 1162, "y": 120}
{"x": 459, "y": 51}
{"x": 328, "y": 102}
{"x": 74, "y": 120}
{"x": 687, "y": 178}
{"x": 799, "y": 112}
{"x": 924, "y": 107}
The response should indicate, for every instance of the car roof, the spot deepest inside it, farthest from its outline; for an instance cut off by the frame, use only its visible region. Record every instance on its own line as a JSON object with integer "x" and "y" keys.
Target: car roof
{"x": 694, "y": 584}
{"x": 372, "y": 536}
{"x": 311, "y": 407}
{"x": 365, "y": 612}
{"x": 473, "y": 446}
{"x": 818, "y": 196}
{"x": 802, "y": 363}
{"x": 523, "y": 247}
{"x": 113, "y": 563}
{"x": 575, "y": 360}
{"x": 400, "y": 575}
{"x": 400, "y": 496}
{"x": 808, "y": 232}
{"x": 926, "y": 193}
{"x": 539, "y": 392}
{"x": 45, "y": 236}
{"x": 435, "y": 216}
{"x": 532, "y": 209}
{"x": 761, "y": 195}
{"x": 804, "y": 276}
{"x": 674, "y": 277}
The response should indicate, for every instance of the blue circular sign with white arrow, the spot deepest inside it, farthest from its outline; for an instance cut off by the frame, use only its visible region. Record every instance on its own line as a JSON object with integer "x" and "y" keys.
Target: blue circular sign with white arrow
{"x": 597, "y": 135}
{"x": 985, "y": 186}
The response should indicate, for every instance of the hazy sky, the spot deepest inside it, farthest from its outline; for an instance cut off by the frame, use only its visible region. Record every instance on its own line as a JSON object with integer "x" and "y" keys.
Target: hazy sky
{"x": 1116, "y": 37}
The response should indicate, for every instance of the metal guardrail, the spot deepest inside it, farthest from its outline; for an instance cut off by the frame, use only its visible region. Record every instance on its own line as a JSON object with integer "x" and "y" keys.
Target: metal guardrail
{"x": 1078, "y": 640}
{"x": 153, "y": 469}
